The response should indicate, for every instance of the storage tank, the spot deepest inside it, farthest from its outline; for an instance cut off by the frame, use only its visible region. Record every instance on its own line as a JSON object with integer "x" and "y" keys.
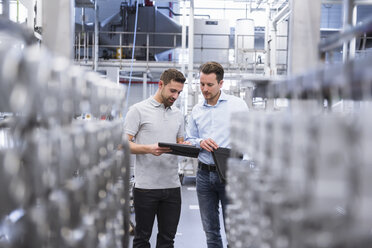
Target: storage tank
{"x": 211, "y": 40}
{"x": 244, "y": 41}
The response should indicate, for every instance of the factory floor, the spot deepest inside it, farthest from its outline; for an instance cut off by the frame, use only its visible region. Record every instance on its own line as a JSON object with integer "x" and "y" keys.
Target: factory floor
{"x": 190, "y": 232}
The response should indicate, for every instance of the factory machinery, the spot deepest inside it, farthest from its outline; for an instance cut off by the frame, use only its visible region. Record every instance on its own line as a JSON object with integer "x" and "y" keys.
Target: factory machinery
{"x": 64, "y": 182}
{"x": 307, "y": 182}
{"x": 64, "y": 164}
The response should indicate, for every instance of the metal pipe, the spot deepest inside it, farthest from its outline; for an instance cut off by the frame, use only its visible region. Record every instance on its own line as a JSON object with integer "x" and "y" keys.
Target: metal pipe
{"x": 267, "y": 31}
{"x": 144, "y": 86}
{"x": 131, "y": 77}
{"x": 347, "y": 22}
{"x": 273, "y": 54}
{"x": 83, "y": 19}
{"x": 346, "y": 35}
{"x": 284, "y": 12}
{"x": 17, "y": 10}
{"x": 71, "y": 21}
{"x": 191, "y": 56}
{"x": 93, "y": 49}
{"x": 147, "y": 50}
{"x": 356, "y": 2}
{"x": 96, "y": 34}
{"x": 364, "y": 41}
{"x": 86, "y": 46}
{"x": 177, "y": 14}
{"x": 82, "y": 30}
{"x": 6, "y": 9}
{"x": 175, "y": 41}
{"x": 78, "y": 46}
{"x": 183, "y": 42}
{"x": 132, "y": 60}
{"x": 353, "y": 41}
{"x": 120, "y": 48}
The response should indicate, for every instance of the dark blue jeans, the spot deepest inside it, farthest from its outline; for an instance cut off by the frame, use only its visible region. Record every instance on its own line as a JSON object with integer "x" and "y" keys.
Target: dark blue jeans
{"x": 210, "y": 192}
{"x": 165, "y": 204}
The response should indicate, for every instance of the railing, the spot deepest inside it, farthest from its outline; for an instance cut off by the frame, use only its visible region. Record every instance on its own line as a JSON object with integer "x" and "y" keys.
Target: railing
{"x": 206, "y": 47}
{"x": 254, "y": 58}
{"x": 84, "y": 44}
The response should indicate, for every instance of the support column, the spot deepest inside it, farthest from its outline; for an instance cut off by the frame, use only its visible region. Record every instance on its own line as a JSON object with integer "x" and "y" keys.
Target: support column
{"x": 304, "y": 35}
{"x": 353, "y": 41}
{"x": 59, "y": 26}
{"x": 276, "y": 30}
{"x": 273, "y": 52}
{"x": 83, "y": 19}
{"x": 144, "y": 86}
{"x": 267, "y": 47}
{"x": 348, "y": 51}
{"x": 96, "y": 34}
{"x": 5, "y": 6}
{"x": 191, "y": 99}
{"x": 183, "y": 50}
{"x": 29, "y": 5}
{"x": 249, "y": 97}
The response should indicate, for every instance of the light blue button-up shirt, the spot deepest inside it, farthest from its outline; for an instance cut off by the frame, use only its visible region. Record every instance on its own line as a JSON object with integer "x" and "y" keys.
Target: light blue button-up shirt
{"x": 207, "y": 121}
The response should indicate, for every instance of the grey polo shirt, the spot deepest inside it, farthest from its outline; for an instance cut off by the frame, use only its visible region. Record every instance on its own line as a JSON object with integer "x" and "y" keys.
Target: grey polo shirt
{"x": 150, "y": 122}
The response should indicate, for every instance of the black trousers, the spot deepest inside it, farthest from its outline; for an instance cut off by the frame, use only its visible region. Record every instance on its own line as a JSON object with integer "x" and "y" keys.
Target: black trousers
{"x": 165, "y": 204}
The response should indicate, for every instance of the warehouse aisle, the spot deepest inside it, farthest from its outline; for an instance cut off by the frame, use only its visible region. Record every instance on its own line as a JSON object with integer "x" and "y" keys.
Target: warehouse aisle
{"x": 190, "y": 232}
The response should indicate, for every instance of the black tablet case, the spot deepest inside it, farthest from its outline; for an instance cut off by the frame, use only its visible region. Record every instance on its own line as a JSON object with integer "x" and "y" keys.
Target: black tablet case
{"x": 220, "y": 156}
{"x": 181, "y": 150}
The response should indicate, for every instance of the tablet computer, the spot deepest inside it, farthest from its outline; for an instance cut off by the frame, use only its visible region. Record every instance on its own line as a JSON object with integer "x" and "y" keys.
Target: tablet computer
{"x": 181, "y": 149}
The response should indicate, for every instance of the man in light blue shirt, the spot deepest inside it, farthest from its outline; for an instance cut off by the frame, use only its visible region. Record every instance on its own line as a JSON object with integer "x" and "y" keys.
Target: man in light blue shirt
{"x": 209, "y": 128}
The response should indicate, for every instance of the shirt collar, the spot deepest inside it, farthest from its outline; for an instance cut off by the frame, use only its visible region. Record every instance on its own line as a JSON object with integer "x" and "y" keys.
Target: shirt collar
{"x": 157, "y": 104}
{"x": 223, "y": 97}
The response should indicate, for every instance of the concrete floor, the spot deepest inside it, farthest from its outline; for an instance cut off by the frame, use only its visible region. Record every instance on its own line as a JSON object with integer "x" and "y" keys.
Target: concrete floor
{"x": 190, "y": 232}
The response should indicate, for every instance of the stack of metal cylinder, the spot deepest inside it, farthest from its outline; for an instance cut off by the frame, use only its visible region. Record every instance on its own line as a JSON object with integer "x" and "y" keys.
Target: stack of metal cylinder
{"x": 64, "y": 182}
{"x": 307, "y": 180}
{"x": 310, "y": 186}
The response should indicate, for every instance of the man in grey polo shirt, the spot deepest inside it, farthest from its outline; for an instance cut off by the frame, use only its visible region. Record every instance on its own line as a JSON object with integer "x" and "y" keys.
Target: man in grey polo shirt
{"x": 157, "y": 186}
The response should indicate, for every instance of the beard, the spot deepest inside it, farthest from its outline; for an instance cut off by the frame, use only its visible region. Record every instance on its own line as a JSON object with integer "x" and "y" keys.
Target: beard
{"x": 210, "y": 96}
{"x": 167, "y": 101}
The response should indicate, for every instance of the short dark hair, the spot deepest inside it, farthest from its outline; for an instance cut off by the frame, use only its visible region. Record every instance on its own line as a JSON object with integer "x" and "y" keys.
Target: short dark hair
{"x": 172, "y": 74}
{"x": 213, "y": 67}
